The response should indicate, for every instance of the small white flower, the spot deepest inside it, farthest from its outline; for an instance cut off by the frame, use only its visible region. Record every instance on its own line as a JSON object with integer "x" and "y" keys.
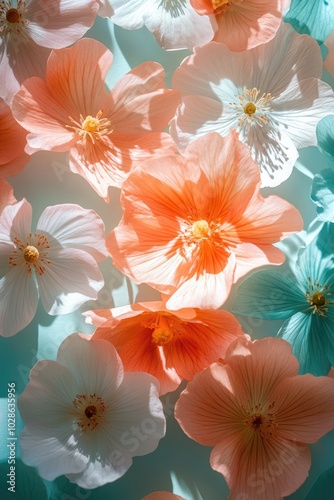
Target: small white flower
{"x": 85, "y": 418}
{"x": 58, "y": 262}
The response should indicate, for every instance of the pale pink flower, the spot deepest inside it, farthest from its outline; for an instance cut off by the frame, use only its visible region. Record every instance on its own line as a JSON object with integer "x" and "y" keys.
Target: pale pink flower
{"x": 58, "y": 261}
{"x": 13, "y": 141}
{"x": 329, "y": 61}
{"x": 106, "y": 133}
{"x": 171, "y": 345}
{"x": 85, "y": 418}
{"x": 30, "y": 28}
{"x": 242, "y": 24}
{"x": 194, "y": 224}
{"x": 258, "y": 414}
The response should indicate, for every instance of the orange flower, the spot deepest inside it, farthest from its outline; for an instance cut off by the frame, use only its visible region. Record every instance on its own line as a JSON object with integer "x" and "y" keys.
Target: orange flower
{"x": 171, "y": 345}
{"x": 12, "y": 144}
{"x": 106, "y": 133}
{"x": 259, "y": 415}
{"x": 194, "y": 224}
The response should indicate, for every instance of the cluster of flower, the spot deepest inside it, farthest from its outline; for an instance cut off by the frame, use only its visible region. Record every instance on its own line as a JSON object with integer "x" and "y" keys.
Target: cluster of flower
{"x": 194, "y": 223}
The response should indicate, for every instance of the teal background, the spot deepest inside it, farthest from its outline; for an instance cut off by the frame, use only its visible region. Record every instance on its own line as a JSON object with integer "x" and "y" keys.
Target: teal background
{"x": 179, "y": 464}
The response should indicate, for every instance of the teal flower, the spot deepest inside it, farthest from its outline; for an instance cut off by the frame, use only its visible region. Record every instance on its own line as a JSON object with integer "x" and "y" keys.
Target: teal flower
{"x": 312, "y": 17}
{"x": 322, "y": 191}
{"x": 304, "y": 300}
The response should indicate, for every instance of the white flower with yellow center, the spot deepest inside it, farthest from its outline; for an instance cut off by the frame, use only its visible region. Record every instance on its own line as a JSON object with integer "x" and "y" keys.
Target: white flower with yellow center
{"x": 57, "y": 262}
{"x": 272, "y": 95}
{"x": 85, "y": 418}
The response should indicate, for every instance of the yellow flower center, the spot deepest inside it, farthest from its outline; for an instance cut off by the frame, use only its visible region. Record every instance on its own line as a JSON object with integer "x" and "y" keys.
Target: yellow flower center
{"x": 200, "y": 229}
{"x": 317, "y": 296}
{"x": 91, "y": 127}
{"x": 162, "y": 335}
{"x": 12, "y": 16}
{"x": 30, "y": 254}
{"x": 164, "y": 327}
{"x": 88, "y": 411}
{"x": 250, "y": 108}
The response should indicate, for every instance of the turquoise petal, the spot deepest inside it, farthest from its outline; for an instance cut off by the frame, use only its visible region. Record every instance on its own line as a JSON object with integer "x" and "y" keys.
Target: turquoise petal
{"x": 269, "y": 295}
{"x": 316, "y": 260}
{"x": 312, "y": 17}
{"x": 328, "y": 332}
{"x": 322, "y": 193}
{"x": 325, "y": 136}
{"x": 305, "y": 333}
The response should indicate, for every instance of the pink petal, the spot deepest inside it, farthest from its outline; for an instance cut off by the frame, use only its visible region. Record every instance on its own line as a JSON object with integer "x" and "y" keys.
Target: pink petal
{"x": 6, "y": 194}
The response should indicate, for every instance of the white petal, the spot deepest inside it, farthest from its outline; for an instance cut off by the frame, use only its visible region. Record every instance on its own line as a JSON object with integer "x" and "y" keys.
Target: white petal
{"x": 94, "y": 364}
{"x": 53, "y": 456}
{"x": 74, "y": 226}
{"x": 20, "y": 59}
{"x": 299, "y": 109}
{"x": 15, "y": 222}
{"x": 18, "y": 301}
{"x": 138, "y": 421}
{"x": 129, "y": 13}
{"x": 273, "y": 151}
{"x": 72, "y": 278}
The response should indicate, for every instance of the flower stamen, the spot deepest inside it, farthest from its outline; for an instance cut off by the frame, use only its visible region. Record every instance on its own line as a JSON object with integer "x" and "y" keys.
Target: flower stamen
{"x": 33, "y": 253}
{"x": 316, "y": 296}
{"x": 252, "y": 109}
{"x": 12, "y": 20}
{"x": 260, "y": 419}
{"x": 91, "y": 127}
{"x": 30, "y": 254}
{"x": 89, "y": 411}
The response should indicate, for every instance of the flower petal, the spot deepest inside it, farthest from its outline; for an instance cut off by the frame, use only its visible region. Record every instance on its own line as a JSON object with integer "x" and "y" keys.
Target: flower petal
{"x": 76, "y": 227}
{"x": 72, "y": 278}
{"x": 322, "y": 193}
{"x": 6, "y": 194}
{"x": 269, "y": 295}
{"x": 58, "y": 26}
{"x": 325, "y": 138}
{"x": 18, "y": 301}
{"x": 304, "y": 332}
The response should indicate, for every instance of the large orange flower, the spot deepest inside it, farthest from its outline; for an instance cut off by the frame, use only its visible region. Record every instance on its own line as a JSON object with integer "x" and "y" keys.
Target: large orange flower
{"x": 106, "y": 133}
{"x": 194, "y": 224}
{"x": 171, "y": 345}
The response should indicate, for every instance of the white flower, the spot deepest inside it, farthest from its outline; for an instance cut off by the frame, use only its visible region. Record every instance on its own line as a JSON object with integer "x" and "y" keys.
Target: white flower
{"x": 58, "y": 262}
{"x": 174, "y": 23}
{"x": 29, "y": 29}
{"x": 271, "y": 95}
{"x": 85, "y": 418}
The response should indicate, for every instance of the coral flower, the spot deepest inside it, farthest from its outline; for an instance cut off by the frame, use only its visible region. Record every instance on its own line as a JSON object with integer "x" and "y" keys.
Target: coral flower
{"x": 171, "y": 345}
{"x": 271, "y": 94}
{"x": 259, "y": 415}
{"x": 58, "y": 261}
{"x": 85, "y": 418}
{"x": 6, "y": 194}
{"x": 13, "y": 141}
{"x": 29, "y": 29}
{"x": 195, "y": 224}
{"x": 329, "y": 61}
{"x": 175, "y": 24}
{"x": 106, "y": 133}
{"x": 242, "y": 24}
